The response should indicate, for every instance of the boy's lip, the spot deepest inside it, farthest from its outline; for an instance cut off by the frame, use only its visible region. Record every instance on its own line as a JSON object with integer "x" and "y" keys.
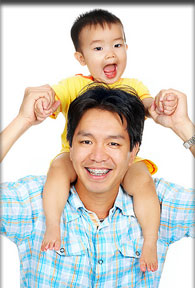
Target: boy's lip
{"x": 110, "y": 70}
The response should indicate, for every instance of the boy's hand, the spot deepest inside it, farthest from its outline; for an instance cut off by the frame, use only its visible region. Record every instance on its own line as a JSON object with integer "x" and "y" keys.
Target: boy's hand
{"x": 166, "y": 102}
{"x": 178, "y": 114}
{"x": 43, "y": 108}
{"x": 43, "y": 101}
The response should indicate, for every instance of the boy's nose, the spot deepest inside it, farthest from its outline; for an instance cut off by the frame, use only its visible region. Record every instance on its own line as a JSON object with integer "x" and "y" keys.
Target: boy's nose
{"x": 110, "y": 54}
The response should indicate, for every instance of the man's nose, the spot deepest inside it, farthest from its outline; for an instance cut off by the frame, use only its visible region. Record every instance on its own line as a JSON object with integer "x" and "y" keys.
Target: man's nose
{"x": 98, "y": 154}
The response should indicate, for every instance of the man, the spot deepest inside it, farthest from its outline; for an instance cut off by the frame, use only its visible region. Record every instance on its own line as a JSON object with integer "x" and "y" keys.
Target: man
{"x": 101, "y": 238}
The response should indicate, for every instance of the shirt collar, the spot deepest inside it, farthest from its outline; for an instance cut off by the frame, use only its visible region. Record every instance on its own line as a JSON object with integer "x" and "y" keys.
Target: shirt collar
{"x": 123, "y": 202}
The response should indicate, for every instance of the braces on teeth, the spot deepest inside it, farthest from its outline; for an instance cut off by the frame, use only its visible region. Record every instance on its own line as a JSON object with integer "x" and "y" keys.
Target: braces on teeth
{"x": 98, "y": 171}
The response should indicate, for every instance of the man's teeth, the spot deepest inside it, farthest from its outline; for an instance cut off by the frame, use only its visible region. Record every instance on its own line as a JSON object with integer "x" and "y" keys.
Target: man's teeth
{"x": 98, "y": 172}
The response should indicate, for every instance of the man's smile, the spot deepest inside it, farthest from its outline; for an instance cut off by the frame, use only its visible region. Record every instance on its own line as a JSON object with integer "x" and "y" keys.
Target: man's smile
{"x": 97, "y": 171}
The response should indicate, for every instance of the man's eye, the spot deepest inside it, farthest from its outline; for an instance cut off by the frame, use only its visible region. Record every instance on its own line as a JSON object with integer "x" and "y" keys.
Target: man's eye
{"x": 118, "y": 45}
{"x": 98, "y": 48}
{"x": 86, "y": 142}
{"x": 114, "y": 144}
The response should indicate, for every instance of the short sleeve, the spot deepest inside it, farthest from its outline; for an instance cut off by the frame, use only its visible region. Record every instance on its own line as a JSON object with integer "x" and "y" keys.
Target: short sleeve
{"x": 20, "y": 206}
{"x": 67, "y": 90}
{"x": 152, "y": 168}
{"x": 62, "y": 94}
{"x": 142, "y": 91}
{"x": 177, "y": 211}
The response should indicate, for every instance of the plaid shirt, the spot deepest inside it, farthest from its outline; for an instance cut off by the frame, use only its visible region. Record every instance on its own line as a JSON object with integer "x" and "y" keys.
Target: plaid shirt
{"x": 93, "y": 253}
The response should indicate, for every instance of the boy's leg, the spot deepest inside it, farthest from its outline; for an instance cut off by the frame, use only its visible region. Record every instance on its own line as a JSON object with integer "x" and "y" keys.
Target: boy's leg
{"x": 139, "y": 183}
{"x": 55, "y": 195}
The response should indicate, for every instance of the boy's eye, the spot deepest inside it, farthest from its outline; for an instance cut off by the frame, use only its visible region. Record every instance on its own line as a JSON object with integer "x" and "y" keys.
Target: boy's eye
{"x": 86, "y": 142}
{"x": 118, "y": 45}
{"x": 98, "y": 48}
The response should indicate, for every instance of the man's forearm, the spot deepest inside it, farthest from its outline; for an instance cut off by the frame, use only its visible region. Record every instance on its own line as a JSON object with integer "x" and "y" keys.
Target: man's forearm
{"x": 11, "y": 134}
{"x": 185, "y": 131}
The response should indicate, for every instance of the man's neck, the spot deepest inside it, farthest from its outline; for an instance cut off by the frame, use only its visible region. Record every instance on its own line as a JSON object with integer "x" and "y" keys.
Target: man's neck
{"x": 99, "y": 203}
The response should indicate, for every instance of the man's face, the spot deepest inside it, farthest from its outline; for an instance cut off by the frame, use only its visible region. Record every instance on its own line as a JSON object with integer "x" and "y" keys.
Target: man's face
{"x": 103, "y": 50}
{"x": 100, "y": 152}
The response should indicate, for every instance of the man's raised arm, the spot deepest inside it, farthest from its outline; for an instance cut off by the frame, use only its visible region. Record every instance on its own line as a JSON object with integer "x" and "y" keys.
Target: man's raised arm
{"x": 25, "y": 118}
{"x": 179, "y": 121}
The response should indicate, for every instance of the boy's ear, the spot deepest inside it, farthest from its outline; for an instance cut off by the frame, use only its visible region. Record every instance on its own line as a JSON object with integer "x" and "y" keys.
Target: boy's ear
{"x": 79, "y": 57}
{"x": 126, "y": 46}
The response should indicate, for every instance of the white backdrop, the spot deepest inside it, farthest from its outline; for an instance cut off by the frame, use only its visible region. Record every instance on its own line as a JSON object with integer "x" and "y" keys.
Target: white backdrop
{"x": 37, "y": 49}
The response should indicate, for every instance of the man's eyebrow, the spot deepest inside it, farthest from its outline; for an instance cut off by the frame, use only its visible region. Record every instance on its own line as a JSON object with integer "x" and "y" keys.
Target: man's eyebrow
{"x": 116, "y": 137}
{"x": 84, "y": 133}
{"x": 88, "y": 134}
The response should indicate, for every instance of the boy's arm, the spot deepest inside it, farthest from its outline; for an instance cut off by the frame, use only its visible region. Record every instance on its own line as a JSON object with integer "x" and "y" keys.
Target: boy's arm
{"x": 147, "y": 104}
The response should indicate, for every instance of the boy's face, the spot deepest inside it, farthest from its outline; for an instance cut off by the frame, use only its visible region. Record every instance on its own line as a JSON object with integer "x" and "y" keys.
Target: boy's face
{"x": 103, "y": 50}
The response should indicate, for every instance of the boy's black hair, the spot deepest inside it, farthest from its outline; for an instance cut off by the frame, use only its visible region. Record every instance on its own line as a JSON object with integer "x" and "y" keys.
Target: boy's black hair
{"x": 121, "y": 100}
{"x": 94, "y": 17}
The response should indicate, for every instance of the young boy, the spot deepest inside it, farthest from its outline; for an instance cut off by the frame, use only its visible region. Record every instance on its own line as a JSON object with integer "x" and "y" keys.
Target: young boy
{"x": 100, "y": 43}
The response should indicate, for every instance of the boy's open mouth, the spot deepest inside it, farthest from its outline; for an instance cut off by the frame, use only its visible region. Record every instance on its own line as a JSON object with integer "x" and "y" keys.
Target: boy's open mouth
{"x": 110, "y": 70}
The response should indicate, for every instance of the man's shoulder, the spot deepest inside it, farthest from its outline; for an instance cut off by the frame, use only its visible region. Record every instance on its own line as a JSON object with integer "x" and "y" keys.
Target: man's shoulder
{"x": 24, "y": 190}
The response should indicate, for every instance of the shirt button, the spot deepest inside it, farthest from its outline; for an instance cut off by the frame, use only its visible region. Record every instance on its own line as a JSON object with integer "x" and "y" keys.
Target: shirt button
{"x": 61, "y": 250}
{"x": 100, "y": 261}
{"x": 137, "y": 253}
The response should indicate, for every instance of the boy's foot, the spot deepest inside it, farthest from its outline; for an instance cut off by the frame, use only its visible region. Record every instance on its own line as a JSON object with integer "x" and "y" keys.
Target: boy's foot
{"x": 52, "y": 239}
{"x": 148, "y": 259}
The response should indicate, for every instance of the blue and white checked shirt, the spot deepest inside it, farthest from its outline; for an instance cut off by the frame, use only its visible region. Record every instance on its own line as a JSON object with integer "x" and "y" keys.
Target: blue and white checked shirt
{"x": 93, "y": 253}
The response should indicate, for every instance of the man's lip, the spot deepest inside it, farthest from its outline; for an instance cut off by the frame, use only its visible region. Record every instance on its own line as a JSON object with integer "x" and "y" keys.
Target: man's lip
{"x": 98, "y": 172}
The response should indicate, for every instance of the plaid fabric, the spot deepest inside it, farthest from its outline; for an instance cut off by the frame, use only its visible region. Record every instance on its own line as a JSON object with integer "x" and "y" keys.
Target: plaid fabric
{"x": 93, "y": 253}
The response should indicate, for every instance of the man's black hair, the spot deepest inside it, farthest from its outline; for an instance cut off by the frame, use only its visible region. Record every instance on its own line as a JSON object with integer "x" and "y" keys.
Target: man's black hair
{"x": 121, "y": 100}
{"x": 94, "y": 17}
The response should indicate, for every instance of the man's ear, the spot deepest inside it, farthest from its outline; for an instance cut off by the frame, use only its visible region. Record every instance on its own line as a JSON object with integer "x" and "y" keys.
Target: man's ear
{"x": 79, "y": 57}
{"x": 70, "y": 153}
{"x": 133, "y": 154}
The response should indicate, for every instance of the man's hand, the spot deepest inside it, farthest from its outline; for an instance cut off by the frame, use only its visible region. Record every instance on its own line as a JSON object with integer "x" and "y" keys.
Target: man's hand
{"x": 26, "y": 116}
{"x": 179, "y": 120}
{"x": 178, "y": 108}
{"x": 166, "y": 102}
{"x": 34, "y": 97}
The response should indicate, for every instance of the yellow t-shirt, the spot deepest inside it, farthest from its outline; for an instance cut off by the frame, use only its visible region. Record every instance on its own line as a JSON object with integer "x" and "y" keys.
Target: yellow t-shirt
{"x": 68, "y": 89}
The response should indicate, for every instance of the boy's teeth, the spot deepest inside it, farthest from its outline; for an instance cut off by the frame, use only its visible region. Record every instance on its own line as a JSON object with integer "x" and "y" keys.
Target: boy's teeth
{"x": 98, "y": 172}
